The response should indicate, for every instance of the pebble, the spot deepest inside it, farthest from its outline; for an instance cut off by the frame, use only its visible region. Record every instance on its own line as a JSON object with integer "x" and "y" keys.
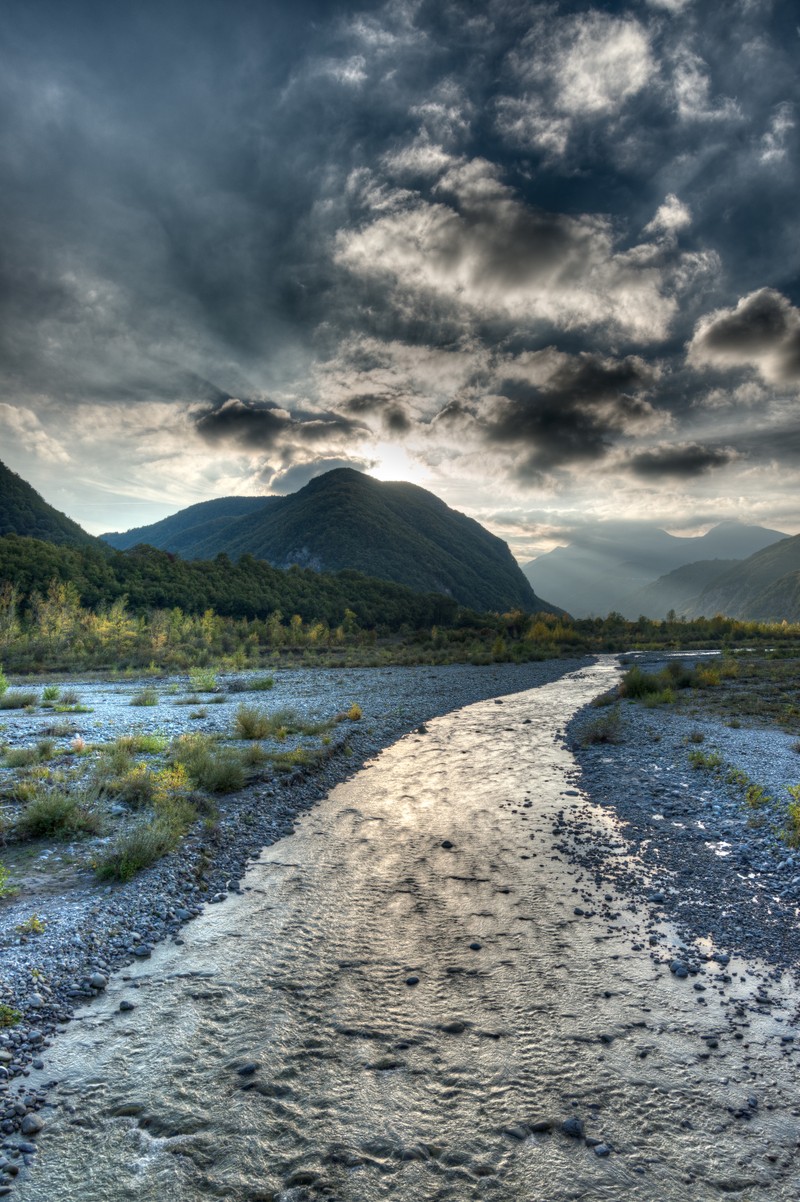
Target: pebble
{"x": 573, "y": 1127}
{"x": 412, "y": 980}
{"x": 31, "y": 1124}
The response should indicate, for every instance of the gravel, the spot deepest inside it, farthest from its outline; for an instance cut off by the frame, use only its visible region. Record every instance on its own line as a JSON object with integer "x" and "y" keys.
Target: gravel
{"x": 700, "y": 856}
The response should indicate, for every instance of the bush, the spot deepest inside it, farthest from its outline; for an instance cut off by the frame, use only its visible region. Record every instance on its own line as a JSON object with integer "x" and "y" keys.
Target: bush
{"x": 140, "y": 847}
{"x": 637, "y": 684}
{"x": 215, "y": 769}
{"x": 3, "y": 681}
{"x": 251, "y": 723}
{"x": 705, "y": 759}
{"x": 17, "y": 700}
{"x": 605, "y": 729}
{"x": 57, "y": 814}
{"x": 6, "y": 888}
{"x": 50, "y": 693}
{"x": 147, "y": 696}
{"x": 203, "y": 680}
{"x": 9, "y": 1017}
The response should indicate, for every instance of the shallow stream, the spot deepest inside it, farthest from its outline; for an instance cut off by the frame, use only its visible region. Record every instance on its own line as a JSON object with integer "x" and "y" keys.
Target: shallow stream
{"x": 283, "y": 1051}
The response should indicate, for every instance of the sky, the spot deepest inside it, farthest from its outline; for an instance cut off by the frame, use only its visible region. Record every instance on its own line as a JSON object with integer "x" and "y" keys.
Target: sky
{"x": 540, "y": 258}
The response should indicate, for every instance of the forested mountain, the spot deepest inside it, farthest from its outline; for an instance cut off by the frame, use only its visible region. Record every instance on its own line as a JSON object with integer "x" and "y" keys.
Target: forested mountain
{"x": 24, "y": 512}
{"x": 765, "y": 587}
{"x": 182, "y": 531}
{"x": 348, "y": 520}
{"x": 608, "y": 564}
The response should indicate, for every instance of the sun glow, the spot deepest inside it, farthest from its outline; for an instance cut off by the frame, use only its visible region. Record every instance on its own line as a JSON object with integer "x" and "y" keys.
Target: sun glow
{"x": 393, "y": 462}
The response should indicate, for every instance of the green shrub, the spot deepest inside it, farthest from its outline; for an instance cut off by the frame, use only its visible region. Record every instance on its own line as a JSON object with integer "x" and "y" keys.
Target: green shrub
{"x": 705, "y": 759}
{"x": 9, "y": 1017}
{"x": 137, "y": 788}
{"x": 696, "y": 736}
{"x": 260, "y": 684}
{"x": 17, "y": 699}
{"x": 605, "y": 729}
{"x": 57, "y": 814}
{"x": 6, "y": 887}
{"x": 662, "y": 697}
{"x": 637, "y": 684}
{"x": 756, "y": 796}
{"x": 604, "y": 699}
{"x": 146, "y": 696}
{"x": 69, "y": 698}
{"x": 203, "y": 680}
{"x": 137, "y": 849}
{"x": 3, "y": 681}
{"x": 50, "y": 693}
{"x": 21, "y": 757}
{"x": 208, "y": 766}
{"x": 251, "y": 723}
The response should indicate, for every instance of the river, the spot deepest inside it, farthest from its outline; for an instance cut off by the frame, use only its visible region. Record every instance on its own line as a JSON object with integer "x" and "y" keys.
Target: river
{"x": 401, "y": 993}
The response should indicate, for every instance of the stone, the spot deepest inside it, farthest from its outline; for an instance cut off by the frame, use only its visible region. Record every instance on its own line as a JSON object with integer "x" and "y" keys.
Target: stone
{"x": 31, "y": 1125}
{"x": 98, "y": 980}
{"x": 412, "y": 980}
{"x": 446, "y": 844}
{"x": 679, "y": 969}
{"x": 601, "y": 1150}
{"x": 573, "y": 1127}
{"x": 126, "y": 1005}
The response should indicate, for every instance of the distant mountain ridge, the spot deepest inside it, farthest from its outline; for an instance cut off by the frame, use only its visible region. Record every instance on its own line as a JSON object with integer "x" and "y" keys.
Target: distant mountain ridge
{"x": 25, "y": 513}
{"x": 611, "y": 564}
{"x": 346, "y": 519}
{"x": 764, "y": 588}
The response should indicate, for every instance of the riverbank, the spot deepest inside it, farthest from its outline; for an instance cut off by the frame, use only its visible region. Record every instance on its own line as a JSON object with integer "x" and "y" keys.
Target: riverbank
{"x": 702, "y": 805}
{"x": 90, "y": 930}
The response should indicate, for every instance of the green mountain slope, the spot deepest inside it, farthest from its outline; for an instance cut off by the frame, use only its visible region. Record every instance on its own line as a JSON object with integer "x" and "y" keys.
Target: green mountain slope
{"x": 24, "y": 512}
{"x": 183, "y": 530}
{"x": 762, "y": 588}
{"x": 392, "y": 531}
{"x": 677, "y": 590}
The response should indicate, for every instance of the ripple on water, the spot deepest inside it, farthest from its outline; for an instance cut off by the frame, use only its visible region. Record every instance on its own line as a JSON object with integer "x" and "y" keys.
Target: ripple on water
{"x": 282, "y": 1052}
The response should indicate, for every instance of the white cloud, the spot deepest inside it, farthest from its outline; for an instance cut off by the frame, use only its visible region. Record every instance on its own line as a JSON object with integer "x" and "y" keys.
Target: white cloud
{"x": 491, "y": 256}
{"x": 585, "y": 67}
{"x": 23, "y": 425}
{"x": 671, "y": 216}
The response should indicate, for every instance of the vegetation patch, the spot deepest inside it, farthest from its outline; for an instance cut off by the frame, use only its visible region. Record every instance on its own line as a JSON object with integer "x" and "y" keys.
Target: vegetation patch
{"x": 607, "y": 728}
{"x": 57, "y": 814}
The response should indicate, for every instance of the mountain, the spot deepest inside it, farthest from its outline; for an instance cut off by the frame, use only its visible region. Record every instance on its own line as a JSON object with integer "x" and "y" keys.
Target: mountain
{"x": 764, "y": 588}
{"x": 183, "y": 530}
{"x": 608, "y": 564}
{"x": 24, "y": 512}
{"x": 346, "y": 519}
{"x": 677, "y": 590}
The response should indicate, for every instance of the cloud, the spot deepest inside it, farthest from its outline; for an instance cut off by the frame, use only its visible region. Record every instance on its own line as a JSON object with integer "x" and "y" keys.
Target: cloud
{"x": 762, "y": 332}
{"x": 670, "y": 217}
{"x": 574, "y": 69}
{"x": 262, "y": 425}
{"x": 299, "y": 474}
{"x": 24, "y": 426}
{"x": 491, "y": 256}
{"x": 681, "y": 460}
{"x": 574, "y": 415}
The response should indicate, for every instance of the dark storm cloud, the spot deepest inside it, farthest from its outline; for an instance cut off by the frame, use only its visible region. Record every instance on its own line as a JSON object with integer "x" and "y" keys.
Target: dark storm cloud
{"x": 205, "y": 201}
{"x": 576, "y": 416}
{"x": 260, "y": 425}
{"x": 762, "y": 331}
{"x": 683, "y": 462}
{"x": 392, "y": 413}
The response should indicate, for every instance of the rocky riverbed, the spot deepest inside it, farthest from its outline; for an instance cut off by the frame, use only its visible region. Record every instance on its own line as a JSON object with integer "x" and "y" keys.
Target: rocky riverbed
{"x": 89, "y": 930}
{"x": 676, "y": 782}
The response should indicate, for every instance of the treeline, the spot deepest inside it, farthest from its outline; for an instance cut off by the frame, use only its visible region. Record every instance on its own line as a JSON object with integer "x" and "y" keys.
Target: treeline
{"x": 250, "y": 588}
{"x": 69, "y": 609}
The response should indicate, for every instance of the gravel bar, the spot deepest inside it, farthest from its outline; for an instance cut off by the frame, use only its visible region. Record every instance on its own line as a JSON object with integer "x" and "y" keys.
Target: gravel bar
{"x": 700, "y": 856}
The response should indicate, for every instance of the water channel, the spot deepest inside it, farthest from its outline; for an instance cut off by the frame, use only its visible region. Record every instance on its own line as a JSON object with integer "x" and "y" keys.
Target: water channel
{"x": 283, "y": 1052}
